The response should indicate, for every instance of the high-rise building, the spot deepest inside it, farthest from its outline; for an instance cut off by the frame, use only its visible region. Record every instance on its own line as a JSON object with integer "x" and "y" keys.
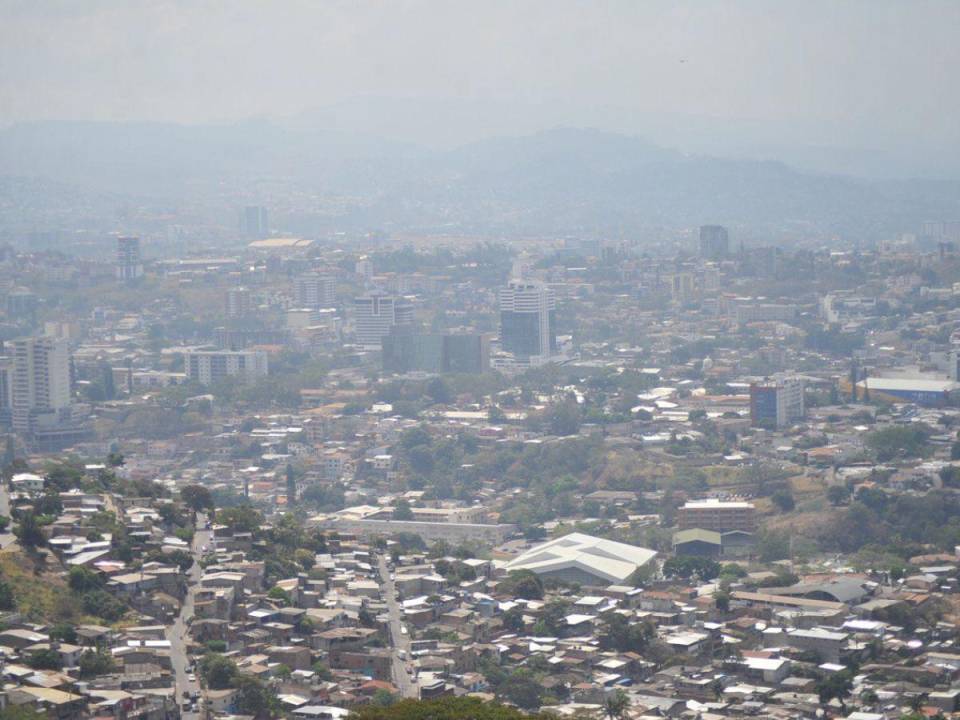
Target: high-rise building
{"x": 6, "y": 391}
{"x": 714, "y": 242}
{"x": 209, "y": 366}
{"x": 315, "y": 291}
{"x": 376, "y": 313}
{"x": 129, "y": 262}
{"x": 40, "y": 381}
{"x": 407, "y": 351}
{"x": 527, "y": 319}
{"x": 777, "y": 402}
{"x": 254, "y": 223}
{"x": 239, "y": 302}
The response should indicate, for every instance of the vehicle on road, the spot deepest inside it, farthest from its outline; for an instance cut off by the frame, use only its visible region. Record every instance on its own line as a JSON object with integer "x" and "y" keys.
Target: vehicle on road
{"x": 192, "y": 678}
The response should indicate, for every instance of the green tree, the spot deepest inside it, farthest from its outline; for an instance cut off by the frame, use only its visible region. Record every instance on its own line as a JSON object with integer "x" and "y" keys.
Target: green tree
{"x": 615, "y": 705}
{"x": 254, "y": 698}
{"x": 47, "y": 659}
{"x": 218, "y": 672}
{"x": 523, "y": 584}
{"x": 291, "y": 485}
{"x": 96, "y": 662}
{"x": 197, "y": 498}
{"x": 82, "y": 579}
{"x": 7, "y": 599}
{"x": 29, "y": 532}
{"x": 402, "y": 511}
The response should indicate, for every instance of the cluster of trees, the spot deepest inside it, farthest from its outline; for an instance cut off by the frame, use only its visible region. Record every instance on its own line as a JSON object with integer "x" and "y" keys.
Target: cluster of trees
{"x": 88, "y": 586}
{"x": 254, "y": 698}
{"x": 898, "y": 524}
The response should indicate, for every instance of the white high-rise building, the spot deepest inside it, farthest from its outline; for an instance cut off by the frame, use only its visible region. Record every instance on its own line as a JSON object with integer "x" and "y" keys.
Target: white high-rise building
{"x": 375, "y": 314}
{"x": 129, "y": 262}
{"x": 239, "y": 302}
{"x": 527, "y": 319}
{"x": 315, "y": 291}
{"x": 40, "y": 379}
{"x": 209, "y": 366}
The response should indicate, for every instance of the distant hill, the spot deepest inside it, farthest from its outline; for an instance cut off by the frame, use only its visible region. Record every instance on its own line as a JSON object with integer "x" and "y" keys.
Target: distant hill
{"x": 564, "y": 181}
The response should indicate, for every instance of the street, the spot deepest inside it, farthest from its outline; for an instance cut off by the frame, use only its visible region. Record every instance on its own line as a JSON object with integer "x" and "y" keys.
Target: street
{"x": 177, "y": 632}
{"x": 399, "y": 641}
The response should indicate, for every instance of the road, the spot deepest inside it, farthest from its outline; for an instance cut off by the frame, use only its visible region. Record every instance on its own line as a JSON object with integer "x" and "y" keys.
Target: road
{"x": 399, "y": 641}
{"x": 177, "y": 632}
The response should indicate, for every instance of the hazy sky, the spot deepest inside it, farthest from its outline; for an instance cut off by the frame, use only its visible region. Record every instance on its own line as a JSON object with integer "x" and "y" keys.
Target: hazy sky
{"x": 873, "y": 71}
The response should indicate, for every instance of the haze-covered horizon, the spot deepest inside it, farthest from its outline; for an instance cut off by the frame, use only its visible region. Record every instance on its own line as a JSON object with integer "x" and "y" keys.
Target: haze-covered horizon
{"x": 859, "y": 88}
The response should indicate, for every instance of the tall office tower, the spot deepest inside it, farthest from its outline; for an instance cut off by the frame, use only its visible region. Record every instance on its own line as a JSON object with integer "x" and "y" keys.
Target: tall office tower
{"x": 315, "y": 291}
{"x": 6, "y": 391}
{"x": 209, "y": 366}
{"x": 375, "y": 314}
{"x": 527, "y": 319}
{"x": 40, "y": 379}
{"x": 129, "y": 263}
{"x": 22, "y": 305}
{"x": 254, "y": 224}
{"x": 714, "y": 242}
{"x": 239, "y": 302}
{"x": 777, "y": 403}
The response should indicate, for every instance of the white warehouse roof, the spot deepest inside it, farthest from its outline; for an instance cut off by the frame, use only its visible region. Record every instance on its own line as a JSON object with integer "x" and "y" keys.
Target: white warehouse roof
{"x": 607, "y": 559}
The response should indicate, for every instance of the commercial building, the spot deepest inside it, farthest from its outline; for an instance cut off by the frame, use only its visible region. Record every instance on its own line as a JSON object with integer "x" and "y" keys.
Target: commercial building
{"x": 129, "y": 262}
{"x": 714, "y": 242}
{"x": 254, "y": 223}
{"x": 528, "y": 319}
{"x": 405, "y": 351}
{"x": 239, "y": 302}
{"x": 376, "y": 313}
{"x": 315, "y": 291}
{"x": 209, "y": 366}
{"x": 583, "y": 559}
{"x": 929, "y": 393}
{"x": 777, "y": 403}
{"x": 717, "y": 515}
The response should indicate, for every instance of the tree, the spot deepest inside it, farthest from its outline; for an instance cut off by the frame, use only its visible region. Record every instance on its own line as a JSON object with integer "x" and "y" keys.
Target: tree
{"x": 115, "y": 459}
{"x": 522, "y": 689}
{"x": 96, "y": 662}
{"x": 197, "y": 498}
{"x": 254, "y": 698}
{"x": 383, "y": 698}
{"x": 241, "y": 518}
{"x": 444, "y": 708}
{"x": 836, "y": 494}
{"x": 218, "y": 672}
{"x": 29, "y": 532}
{"x": 82, "y": 579}
{"x": 523, "y": 584}
{"x": 47, "y": 659}
{"x": 783, "y": 499}
{"x": 7, "y": 599}
{"x": 615, "y": 705}
{"x": 103, "y": 604}
{"x": 687, "y": 566}
{"x": 402, "y": 511}
{"x": 835, "y": 685}
{"x": 563, "y": 418}
{"x": 439, "y": 391}
{"x": 281, "y": 595}
{"x": 21, "y": 712}
{"x": 64, "y": 632}
{"x": 291, "y": 485}
{"x": 513, "y": 619}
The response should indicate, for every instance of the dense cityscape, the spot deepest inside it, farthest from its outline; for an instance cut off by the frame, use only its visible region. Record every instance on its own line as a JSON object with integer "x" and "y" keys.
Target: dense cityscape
{"x": 479, "y": 361}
